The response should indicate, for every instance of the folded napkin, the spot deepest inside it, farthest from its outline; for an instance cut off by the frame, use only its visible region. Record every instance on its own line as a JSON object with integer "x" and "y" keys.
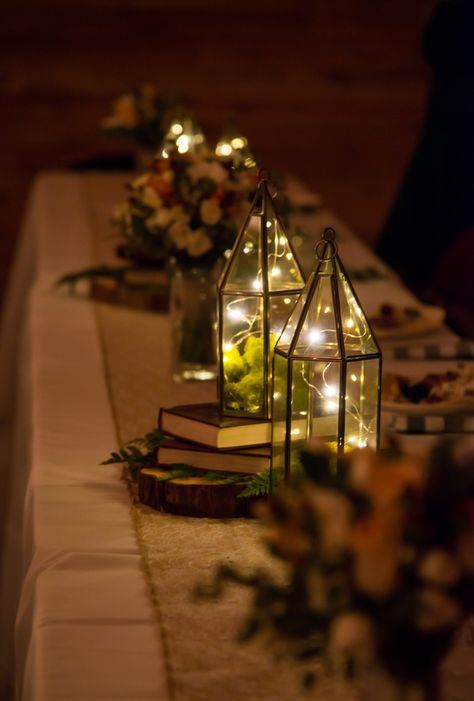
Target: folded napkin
{"x": 461, "y": 349}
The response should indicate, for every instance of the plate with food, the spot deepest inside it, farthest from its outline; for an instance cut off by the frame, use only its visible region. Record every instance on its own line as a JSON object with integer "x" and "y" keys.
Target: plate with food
{"x": 442, "y": 390}
{"x": 399, "y": 321}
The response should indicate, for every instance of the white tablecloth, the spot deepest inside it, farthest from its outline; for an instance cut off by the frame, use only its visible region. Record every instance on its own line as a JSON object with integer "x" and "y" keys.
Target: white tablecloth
{"x": 73, "y": 592}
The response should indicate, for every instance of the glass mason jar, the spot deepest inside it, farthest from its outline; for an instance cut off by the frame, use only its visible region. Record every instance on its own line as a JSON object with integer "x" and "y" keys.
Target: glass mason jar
{"x": 193, "y": 302}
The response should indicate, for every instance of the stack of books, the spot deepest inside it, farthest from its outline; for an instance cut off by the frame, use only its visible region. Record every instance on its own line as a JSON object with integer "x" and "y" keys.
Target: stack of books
{"x": 207, "y": 441}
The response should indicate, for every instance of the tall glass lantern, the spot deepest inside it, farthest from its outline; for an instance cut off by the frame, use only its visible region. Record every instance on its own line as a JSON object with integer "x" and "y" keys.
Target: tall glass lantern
{"x": 183, "y": 136}
{"x": 327, "y": 365}
{"x": 256, "y": 293}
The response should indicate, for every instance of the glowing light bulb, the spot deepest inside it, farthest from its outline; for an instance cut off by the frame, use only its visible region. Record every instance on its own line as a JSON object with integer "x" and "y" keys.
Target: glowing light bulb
{"x": 223, "y": 149}
{"x": 330, "y": 391}
{"x": 315, "y": 335}
{"x": 286, "y": 300}
{"x": 276, "y": 395}
{"x": 327, "y": 310}
{"x": 176, "y": 129}
{"x": 330, "y": 405}
{"x": 288, "y": 256}
{"x": 350, "y": 323}
{"x": 237, "y": 142}
{"x": 354, "y": 377}
{"x": 228, "y": 347}
{"x": 276, "y": 272}
{"x": 164, "y": 153}
{"x": 236, "y": 314}
{"x": 182, "y": 142}
{"x": 269, "y": 224}
{"x": 257, "y": 285}
{"x": 295, "y": 432}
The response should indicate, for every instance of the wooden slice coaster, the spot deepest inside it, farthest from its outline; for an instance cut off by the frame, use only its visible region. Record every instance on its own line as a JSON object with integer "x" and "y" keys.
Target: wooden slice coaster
{"x": 191, "y": 496}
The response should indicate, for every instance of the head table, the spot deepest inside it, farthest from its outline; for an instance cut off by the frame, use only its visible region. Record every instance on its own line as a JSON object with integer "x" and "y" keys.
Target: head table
{"x": 76, "y": 616}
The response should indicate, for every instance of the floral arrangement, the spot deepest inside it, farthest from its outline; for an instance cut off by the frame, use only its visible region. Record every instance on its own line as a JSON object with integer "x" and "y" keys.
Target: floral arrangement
{"x": 141, "y": 115}
{"x": 189, "y": 206}
{"x": 377, "y": 556}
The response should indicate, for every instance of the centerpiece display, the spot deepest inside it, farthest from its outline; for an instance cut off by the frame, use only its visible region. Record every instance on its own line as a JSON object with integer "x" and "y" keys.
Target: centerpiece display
{"x": 257, "y": 291}
{"x": 182, "y": 214}
{"x": 327, "y": 365}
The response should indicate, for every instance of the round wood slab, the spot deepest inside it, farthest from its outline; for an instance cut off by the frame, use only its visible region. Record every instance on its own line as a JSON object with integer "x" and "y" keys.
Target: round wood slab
{"x": 191, "y": 496}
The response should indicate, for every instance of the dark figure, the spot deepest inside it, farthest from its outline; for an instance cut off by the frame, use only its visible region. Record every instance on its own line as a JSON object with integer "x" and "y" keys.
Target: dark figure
{"x": 432, "y": 221}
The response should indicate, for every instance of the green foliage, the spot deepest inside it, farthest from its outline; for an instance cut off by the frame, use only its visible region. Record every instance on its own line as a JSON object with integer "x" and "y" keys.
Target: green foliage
{"x": 90, "y": 273}
{"x": 138, "y": 453}
{"x": 244, "y": 375}
{"x": 262, "y": 483}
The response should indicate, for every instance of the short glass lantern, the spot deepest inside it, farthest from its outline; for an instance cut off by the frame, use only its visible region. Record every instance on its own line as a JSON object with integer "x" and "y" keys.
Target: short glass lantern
{"x": 327, "y": 367}
{"x": 256, "y": 293}
{"x": 234, "y": 146}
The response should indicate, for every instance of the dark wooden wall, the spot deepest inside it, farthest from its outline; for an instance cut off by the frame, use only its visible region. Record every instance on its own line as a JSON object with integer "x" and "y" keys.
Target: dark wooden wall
{"x": 332, "y": 90}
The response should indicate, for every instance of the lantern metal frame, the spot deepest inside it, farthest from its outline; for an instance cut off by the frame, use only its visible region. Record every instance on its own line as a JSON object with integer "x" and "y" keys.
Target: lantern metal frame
{"x": 328, "y": 253}
{"x": 259, "y": 207}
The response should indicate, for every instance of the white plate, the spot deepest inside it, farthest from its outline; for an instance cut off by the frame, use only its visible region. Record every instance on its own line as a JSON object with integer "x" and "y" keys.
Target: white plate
{"x": 429, "y": 319}
{"x": 416, "y": 372}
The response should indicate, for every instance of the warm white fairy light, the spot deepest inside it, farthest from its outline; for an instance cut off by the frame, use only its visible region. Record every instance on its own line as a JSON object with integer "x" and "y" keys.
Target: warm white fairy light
{"x": 176, "y": 129}
{"x": 238, "y": 142}
{"x": 182, "y": 142}
{"x": 315, "y": 335}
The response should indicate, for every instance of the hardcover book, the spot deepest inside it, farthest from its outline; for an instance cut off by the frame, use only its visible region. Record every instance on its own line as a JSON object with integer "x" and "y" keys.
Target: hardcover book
{"x": 202, "y": 424}
{"x": 246, "y": 460}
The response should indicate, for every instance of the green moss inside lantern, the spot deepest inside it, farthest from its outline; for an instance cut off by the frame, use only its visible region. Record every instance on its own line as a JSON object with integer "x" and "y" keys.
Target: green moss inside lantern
{"x": 243, "y": 388}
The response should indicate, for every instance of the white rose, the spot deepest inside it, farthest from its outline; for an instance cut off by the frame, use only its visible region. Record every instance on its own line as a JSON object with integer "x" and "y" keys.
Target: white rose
{"x": 178, "y": 233}
{"x": 121, "y": 212}
{"x": 210, "y": 212}
{"x": 162, "y": 218}
{"x": 151, "y": 198}
{"x": 198, "y": 243}
{"x": 439, "y": 567}
{"x": 208, "y": 169}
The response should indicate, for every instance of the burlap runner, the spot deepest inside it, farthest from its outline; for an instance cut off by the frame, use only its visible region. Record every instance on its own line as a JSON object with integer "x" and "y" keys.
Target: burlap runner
{"x": 204, "y": 661}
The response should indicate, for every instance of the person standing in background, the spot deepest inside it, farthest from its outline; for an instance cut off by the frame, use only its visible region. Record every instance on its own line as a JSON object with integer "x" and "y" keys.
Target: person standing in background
{"x": 429, "y": 235}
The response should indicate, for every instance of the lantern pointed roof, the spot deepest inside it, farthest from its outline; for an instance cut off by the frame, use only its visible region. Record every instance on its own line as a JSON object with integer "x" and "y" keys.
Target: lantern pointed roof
{"x": 262, "y": 259}
{"x": 328, "y": 321}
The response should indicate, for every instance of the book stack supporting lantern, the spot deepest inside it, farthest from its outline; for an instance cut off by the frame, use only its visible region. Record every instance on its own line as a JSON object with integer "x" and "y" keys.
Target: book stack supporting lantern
{"x": 219, "y": 453}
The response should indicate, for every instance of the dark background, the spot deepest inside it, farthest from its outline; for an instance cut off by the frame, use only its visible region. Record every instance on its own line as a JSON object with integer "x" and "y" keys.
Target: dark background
{"x": 332, "y": 90}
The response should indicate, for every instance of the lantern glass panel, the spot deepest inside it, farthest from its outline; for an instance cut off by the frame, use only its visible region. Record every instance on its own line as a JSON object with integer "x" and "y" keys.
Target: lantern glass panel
{"x": 280, "y": 397}
{"x": 283, "y": 272}
{"x": 242, "y": 354}
{"x": 358, "y": 339}
{"x": 362, "y": 391}
{"x": 245, "y": 274}
{"x": 318, "y": 333}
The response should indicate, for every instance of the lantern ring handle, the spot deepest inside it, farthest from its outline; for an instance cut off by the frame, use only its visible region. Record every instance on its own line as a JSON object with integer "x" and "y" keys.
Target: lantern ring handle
{"x": 332, "y": 249}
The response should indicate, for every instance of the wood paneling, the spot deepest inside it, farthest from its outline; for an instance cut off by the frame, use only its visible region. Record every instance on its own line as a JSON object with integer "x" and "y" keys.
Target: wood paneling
{"x": 333, "y": 91}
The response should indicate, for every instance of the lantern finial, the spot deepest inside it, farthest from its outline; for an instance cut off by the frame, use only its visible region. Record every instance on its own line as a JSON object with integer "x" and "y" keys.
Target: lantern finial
{"x": 329, "y": 234}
